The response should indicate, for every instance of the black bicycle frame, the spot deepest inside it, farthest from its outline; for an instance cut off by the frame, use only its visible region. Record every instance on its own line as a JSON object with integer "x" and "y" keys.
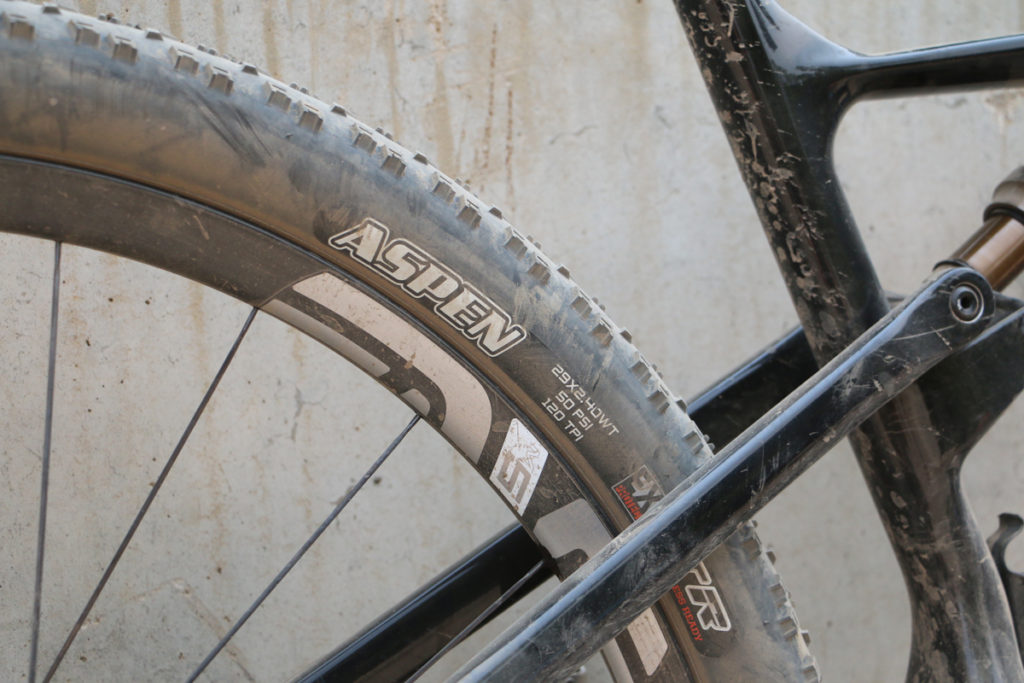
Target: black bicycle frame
{"x": 780, "y": 104}
{"x": 780, "y": 90}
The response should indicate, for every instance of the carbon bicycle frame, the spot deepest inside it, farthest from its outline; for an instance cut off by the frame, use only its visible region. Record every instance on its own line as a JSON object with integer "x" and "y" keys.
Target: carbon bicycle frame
{"x": 780, "y": 103}
{"x": 780, "y": 90}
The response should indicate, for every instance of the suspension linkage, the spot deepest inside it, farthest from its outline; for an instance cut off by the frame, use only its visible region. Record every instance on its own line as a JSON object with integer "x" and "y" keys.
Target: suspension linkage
{"x": 641, "y": 564}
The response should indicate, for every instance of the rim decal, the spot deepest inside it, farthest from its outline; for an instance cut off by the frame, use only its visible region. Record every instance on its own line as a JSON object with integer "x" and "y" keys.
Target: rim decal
{"x": 519, "y": 465}
{"x": 467, "y": 408}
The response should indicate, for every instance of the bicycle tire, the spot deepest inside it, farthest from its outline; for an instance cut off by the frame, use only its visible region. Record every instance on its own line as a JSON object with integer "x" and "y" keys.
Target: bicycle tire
{"x": 341, "y": 224}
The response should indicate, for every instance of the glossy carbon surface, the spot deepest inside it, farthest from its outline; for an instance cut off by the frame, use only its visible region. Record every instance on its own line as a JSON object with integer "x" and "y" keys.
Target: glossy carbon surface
{"x": 780, "y": 90}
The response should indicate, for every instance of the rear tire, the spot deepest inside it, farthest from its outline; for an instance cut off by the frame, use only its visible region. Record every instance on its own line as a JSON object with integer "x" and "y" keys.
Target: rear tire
{"x": 130, "y": 142}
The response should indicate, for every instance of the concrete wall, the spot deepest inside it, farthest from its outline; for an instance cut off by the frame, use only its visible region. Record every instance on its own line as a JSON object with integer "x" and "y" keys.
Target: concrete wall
{"x": 586, "y": 122}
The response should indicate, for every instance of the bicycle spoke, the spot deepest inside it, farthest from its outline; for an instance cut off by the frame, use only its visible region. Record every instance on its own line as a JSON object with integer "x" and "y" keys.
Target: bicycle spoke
{"x": 305, "y": 546}
{"x": 468, "y": 631}
{"x": 150, "y": 497}
{"x": 45, "y": 475}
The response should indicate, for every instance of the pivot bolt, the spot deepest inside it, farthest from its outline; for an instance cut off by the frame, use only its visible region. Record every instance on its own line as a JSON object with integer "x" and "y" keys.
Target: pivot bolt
{"x": 966, "y": 303}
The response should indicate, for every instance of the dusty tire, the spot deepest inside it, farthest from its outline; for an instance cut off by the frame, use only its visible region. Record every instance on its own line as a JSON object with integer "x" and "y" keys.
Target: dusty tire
{"x": 226, "y": 175}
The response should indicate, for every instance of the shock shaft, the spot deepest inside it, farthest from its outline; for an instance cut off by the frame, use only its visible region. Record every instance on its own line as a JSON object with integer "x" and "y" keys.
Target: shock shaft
{"x": 996, "y": 250}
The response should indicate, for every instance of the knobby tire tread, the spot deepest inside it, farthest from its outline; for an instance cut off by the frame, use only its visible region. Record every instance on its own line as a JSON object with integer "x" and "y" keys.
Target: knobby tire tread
{"x": 95, "y": 96}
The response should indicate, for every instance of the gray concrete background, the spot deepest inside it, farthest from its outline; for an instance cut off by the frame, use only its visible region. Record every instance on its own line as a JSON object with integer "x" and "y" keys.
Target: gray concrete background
{"x": 587, "y": 123}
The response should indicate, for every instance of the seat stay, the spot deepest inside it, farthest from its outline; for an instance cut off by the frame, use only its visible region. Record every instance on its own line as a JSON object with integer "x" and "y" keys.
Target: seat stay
{"x": 642, "y": 563}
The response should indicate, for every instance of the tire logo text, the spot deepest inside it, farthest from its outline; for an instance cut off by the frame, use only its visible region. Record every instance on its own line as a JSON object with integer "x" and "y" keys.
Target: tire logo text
{"x": 421, "y": 275}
